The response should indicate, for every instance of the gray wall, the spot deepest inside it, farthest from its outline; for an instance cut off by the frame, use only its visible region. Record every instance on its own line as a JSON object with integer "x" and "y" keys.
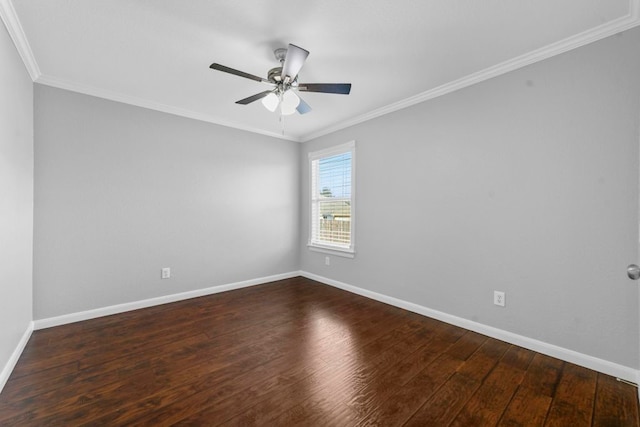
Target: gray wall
{"x": 526, "y": 183}
{"x": 121, "y": 192}
{"x": 16, "y": 197}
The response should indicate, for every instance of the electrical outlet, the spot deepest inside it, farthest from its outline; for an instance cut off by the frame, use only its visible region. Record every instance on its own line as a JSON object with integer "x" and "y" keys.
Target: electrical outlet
{"x": 499, "y": 298}
{"x": 166, "y": 273}
{"x": 327, "y": 260}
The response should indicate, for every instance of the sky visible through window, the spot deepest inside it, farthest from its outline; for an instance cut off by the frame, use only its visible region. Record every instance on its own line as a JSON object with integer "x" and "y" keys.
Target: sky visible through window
{"x": 335, "y": 176}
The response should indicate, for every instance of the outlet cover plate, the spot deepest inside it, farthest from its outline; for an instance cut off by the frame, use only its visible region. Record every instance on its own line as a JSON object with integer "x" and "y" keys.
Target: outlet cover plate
{"x": 499, "y": 298}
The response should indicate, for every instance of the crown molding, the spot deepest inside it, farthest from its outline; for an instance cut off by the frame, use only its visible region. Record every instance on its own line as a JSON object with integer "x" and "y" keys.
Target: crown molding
{"x": 152, "y": 105}
{"x": 14, "y": 28}
{"x": 630, "y": 20}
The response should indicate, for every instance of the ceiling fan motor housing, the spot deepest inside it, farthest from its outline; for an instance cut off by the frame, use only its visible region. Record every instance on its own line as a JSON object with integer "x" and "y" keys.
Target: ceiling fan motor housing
{"x": 275, "y": 75}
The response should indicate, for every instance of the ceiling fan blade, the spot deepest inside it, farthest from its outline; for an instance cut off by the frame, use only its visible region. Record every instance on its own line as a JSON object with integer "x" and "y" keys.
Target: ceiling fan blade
{"x": 224, "y": 69}
{"x": 303, "y": 107}
{"x": 294, "y": 61}
{"x": 339, "y": 88}
{"x": 253, "y": 98}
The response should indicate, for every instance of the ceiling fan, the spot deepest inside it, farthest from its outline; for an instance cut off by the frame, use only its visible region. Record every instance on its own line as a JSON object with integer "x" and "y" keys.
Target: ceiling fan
{"x": 284, "y": 83}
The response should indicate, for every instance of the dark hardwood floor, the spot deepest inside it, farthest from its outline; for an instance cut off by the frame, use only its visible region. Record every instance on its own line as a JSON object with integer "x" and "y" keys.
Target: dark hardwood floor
{"x": 292, "y": 353}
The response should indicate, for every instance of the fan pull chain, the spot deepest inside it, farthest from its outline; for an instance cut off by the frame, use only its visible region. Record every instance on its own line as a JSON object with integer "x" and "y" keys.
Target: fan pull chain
{"x": 282, "y": 122}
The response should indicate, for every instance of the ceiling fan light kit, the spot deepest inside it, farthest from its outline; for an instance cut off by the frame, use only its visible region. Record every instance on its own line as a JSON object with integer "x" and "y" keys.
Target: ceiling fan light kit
{"x": 271, "y": 102}
{"x": 284, "y": 80}
{"x": 289, "y": 102}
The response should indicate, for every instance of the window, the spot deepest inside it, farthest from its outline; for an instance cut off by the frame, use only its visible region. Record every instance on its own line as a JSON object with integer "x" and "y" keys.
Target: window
{"x": 332, "y": 195}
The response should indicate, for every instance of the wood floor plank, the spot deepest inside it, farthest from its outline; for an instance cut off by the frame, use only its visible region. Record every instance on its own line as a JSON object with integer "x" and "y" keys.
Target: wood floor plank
{"x": 574, "y": 398}
{"x": 187, "y": 351}
{"x": 94, "y": 367}
{"x": 467, "y": 345}
{"x": 543, "y": 374}
{"x": 228, "y": 392}
{"x": 527, "y": 408}
{"x": 614, "y": 406}
{"x": 486, "y": 406}
{"x": 518, "y": 357}
{"x": 444, "y": 405}
{"x": 346, "y": 376}
{"x": 139, "y": 320}
{"x": 202, "y": 362}
{"x": 296, "y": 352}
{"x": 383, "y": 379}
{"x": 190, "y": 352}
{"x": 39, "y": 382}
{"x": 404, "y": 403}
{"x": 232, "y": 398}
{"x": 532, "y": 400}
{"x": 482, "y": 361}
{"x": 367, "y": 329}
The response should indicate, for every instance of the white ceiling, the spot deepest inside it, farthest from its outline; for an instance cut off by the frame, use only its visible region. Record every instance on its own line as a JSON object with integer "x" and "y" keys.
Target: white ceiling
{"x": 156, "y": 53}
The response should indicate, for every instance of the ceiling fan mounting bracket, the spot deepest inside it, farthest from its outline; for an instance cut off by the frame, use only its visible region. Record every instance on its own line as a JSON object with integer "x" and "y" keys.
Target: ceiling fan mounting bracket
{"x": 280, "y": 54}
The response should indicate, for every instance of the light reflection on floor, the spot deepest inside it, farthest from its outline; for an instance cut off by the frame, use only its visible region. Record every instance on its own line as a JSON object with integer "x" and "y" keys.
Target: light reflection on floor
{"x": 330, "y": 343}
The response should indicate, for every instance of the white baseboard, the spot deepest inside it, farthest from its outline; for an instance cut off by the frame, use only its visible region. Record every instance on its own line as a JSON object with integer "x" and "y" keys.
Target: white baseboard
{"x": 600, "y": 365}
{"x": 135, "y": 305}
{"x": 11, "y": 363}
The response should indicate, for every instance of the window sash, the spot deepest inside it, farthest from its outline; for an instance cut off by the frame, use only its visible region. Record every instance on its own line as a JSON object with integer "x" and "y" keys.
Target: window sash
{"x": 332, "y": 218}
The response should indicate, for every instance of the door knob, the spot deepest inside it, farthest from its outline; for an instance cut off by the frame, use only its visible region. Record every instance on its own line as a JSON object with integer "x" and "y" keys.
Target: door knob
{"x": 633, "y": 271}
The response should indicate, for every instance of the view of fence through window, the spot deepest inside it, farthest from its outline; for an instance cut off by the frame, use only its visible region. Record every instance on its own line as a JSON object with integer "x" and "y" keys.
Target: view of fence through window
{"x": 334, "y": 199}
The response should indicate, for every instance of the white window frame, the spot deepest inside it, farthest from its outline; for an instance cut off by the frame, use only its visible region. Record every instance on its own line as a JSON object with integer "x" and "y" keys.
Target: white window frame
{"x": 338, "y": 250}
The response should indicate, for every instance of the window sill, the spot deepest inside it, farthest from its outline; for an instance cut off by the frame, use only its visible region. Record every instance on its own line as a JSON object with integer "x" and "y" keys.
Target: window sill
{"x": 332, "y": 250}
